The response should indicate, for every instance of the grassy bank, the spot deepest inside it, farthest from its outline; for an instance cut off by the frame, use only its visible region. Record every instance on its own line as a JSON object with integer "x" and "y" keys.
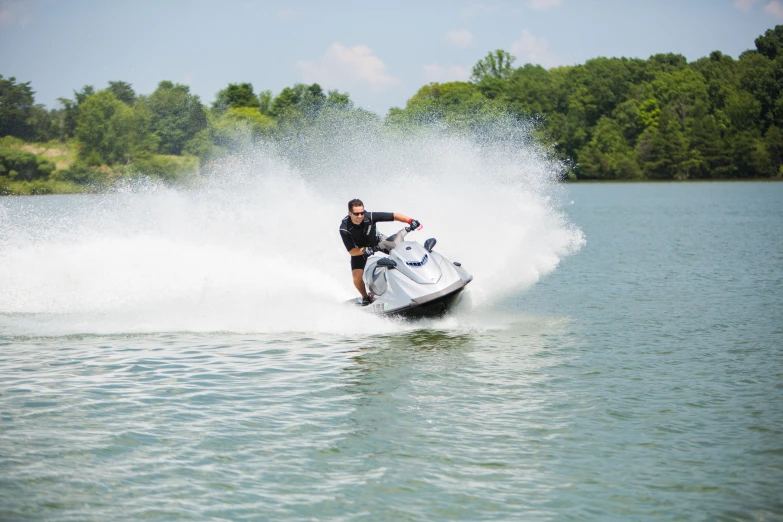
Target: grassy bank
{"x": 54, "y": 168}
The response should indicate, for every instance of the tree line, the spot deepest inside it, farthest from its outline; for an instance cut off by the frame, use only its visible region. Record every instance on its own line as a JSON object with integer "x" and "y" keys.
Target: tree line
{"x": 622, "y": 118}
{"x": 662, "y": 118}
{"x": 114, "y": 132}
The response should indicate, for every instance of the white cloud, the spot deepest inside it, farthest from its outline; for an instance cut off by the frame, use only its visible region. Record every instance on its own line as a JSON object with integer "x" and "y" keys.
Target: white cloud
{"x": 286, "y": 13}
{"x": 15, "y": 12}
{"x": 531, "y": 49}
{"x": 775, "y": 8}
{"x": 744, "y": 5}
{"x": 543, "y": 5}
{"x": 342, "y": 67}
{"x": 461, "y": 38}
{"x": 445, "y": 73}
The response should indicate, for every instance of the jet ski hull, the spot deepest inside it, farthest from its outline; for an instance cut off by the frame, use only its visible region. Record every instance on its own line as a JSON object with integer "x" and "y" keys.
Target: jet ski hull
{"x": 429, "y": 306}
{"x": 435, "y": 305}
{"x": 414, "y": 282}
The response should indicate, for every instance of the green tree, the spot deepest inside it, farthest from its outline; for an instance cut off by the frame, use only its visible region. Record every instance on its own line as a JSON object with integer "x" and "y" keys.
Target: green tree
{"x": 756, "y": 74}
{"x": 45, "y": 124}
{"x": 299, "y": 101}
{"x": 111, "y": 132}
{"x": 608, "y": 155}
{"x": 743, "y": 110}
{"x": 706, "y": 137}
{"x": 627, "y": 115}
{"x": 770, "y": 44}
{"x": 570, "y": 126}
{"x": 530, "y": 90}
{"x": 123, "y": 92}
{"x": 18, "y": 165}
{"x": 457, "y": 104}
{"x": 493, "y": 73}
{"x": 608, "y": 82}
{"x": 682, "y": 91}
{"x": 236, "y": 95}
{"x": 495, "y": 65}
{"x": 70, "y": 110}
{"x": 750, "y": 156}
{"x": 339, "y": 100}
{"x": 203, "y": 145}
{"x": 774, "y": 143}
{"x": 86, "y": 92}
{"x": 177, "y": 116}
{"x": 16, "y": 104}
{"x": 241, "y": 126}
{"x": 313, "y": 99}
{"x": 667, "y": 62}
{"x": 265, "y": 102}
{"x": 664, "y": 151}
{"x": 286, "y": 101}
{"x": 250, "y": 119}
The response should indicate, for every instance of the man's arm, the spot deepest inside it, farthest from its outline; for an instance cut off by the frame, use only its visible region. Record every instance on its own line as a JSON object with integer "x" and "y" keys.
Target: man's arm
{"x": 348, "y": 241}
{"x": 379, "y": 217}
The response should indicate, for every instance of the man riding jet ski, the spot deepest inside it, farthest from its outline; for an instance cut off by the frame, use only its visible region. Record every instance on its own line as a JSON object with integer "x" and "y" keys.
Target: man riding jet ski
{"x": 361, "y": 238}
{"x": 412, "y": 281}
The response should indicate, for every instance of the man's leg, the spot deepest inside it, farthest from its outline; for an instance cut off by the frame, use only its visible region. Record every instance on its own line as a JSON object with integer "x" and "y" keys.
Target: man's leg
{"x": 357, "y": 281}
{"x": 387, "y": 244}
{"x": 357, "y": 270}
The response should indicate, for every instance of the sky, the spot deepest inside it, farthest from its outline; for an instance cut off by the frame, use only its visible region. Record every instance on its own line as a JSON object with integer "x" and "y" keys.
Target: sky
{"x": 380, "y": 52}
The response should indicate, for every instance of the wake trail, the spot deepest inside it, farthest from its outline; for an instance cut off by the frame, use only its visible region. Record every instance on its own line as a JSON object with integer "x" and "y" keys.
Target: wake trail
{"x": 256, "y": 247}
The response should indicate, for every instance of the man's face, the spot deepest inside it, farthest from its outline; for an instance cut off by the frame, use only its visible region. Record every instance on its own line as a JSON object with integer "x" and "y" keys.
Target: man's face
{"x": 357, "y": 215}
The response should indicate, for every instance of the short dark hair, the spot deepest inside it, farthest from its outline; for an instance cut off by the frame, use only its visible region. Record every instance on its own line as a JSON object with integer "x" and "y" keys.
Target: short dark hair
{"x": 354, "y": 203}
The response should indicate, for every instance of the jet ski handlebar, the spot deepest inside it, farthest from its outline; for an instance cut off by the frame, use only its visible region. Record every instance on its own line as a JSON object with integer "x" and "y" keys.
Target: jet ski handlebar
{"x": 413, "y": 225}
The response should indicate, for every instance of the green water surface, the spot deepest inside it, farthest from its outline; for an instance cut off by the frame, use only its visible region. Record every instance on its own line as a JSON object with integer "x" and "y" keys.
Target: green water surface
{"x": 642, "y": 379}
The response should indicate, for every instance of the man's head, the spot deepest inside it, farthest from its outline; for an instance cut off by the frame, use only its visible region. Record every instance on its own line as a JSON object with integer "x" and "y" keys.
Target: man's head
{"x": 356, "y": 211}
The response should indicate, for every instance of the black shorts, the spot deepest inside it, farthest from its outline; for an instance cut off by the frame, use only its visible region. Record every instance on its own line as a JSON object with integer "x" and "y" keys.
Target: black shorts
{"x": 359, "y": 262}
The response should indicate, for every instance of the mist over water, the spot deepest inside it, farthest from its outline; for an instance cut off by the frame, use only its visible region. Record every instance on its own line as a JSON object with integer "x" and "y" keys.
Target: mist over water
{"x": 256, "y": 247}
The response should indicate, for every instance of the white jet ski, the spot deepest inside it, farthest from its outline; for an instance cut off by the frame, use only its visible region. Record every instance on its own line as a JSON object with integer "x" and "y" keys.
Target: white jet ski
{"x": 413, "y": 281}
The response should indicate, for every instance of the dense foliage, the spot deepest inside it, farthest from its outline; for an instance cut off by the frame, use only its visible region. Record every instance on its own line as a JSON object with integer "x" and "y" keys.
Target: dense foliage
{"x": 619, "y": 118}
{"x": 614, "y": 118}
{"x": 19, "y": 165}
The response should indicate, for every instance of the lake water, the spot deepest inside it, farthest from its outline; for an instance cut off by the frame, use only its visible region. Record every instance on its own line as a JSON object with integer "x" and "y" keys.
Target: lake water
{"x": 632, "y": 371}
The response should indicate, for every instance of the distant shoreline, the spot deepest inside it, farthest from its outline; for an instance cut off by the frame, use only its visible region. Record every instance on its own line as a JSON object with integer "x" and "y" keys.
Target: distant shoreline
{"x": 565, "y": 182}
{"x": 673, "y": 181}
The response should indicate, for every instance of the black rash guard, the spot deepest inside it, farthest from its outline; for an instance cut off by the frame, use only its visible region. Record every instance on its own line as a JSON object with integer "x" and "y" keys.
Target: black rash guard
{"x": 364, "y": 234}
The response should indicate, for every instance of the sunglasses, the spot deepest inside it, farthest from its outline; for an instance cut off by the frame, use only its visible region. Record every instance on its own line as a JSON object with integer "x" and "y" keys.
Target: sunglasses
{"x": 357, "y": 213}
